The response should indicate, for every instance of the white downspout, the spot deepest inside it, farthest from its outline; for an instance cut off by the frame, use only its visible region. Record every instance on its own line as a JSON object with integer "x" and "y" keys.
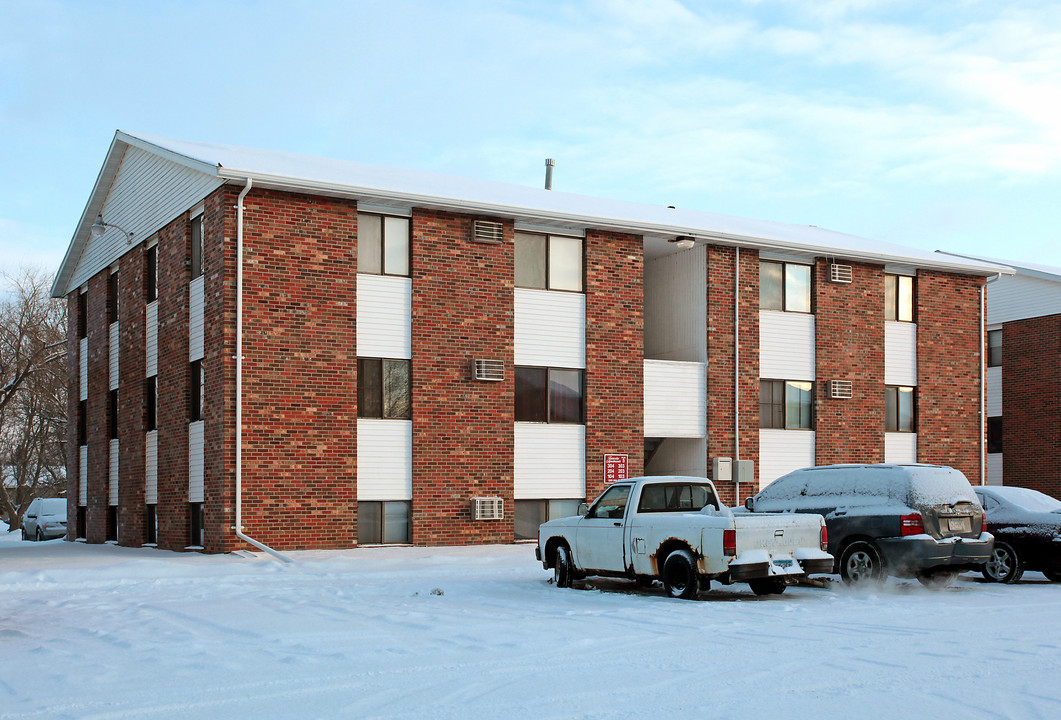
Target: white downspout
{"x": 983, "y": 381}
{"x": 736, "y": 374}
{"x": 239, "y": 382}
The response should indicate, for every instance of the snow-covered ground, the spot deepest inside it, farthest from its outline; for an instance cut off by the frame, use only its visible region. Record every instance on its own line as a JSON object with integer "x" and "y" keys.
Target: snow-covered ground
{"x": 99, "y": 631}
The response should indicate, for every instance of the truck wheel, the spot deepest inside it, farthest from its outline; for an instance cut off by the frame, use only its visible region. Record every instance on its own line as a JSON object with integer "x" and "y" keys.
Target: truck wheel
{"x": 679, "y": 575}
{"x": 563, "y": 571}
{"x": 768, "y": 585}
{"x": 1004, "y": 565}
{"x": 861, "y": 564}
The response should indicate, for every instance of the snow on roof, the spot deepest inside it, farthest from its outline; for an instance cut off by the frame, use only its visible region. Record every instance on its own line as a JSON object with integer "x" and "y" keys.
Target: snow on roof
{"x": 1043, "y": 272}
{"x": 290, "y": 169}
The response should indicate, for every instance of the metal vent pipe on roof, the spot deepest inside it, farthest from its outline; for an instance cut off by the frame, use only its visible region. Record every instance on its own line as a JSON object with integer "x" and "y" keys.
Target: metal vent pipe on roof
{"x": 549, "y": 163}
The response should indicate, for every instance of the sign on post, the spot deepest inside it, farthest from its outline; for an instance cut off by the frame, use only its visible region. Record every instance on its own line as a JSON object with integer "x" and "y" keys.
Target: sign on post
{"x": 616, "y": 467}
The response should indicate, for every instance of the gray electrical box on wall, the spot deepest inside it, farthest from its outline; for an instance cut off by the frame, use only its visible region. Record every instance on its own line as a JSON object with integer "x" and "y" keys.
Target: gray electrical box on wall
{"x": 722, "y": 469}
{"x": 745, "y": 471}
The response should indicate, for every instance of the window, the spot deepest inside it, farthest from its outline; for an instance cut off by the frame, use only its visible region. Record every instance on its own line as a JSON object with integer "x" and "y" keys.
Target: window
{"x": 196, "y": 232}
{"x": 150, "y": 524}
{"x": 382, "y": 245}
{"x": 112, "y": 523}
{"x": 612, "y": 504}
{"x": 899, "y": 298}
{"x": 82, "y": 315}
{"x": 197, "y": 532}
{"x": 529, "y": 514}
{"x": 553, "y": 395}
{"x": 900, "y": 412}
{"x": 151, "y": 274}
{"x": 683, "y": 497}
{"x": 994, "y": 434}
{"x": 548, "y": 262}
{"x": 784, "y": 286}
{"x": 82, "y": 423}
{"x": 382, "y": 522}
{"x": 994, "y": 348}
{"x": 384, "y": 388}
{"x": 112, "y": 414}
{"x": 196, "y": 388}
{"x": 112, "y": 298}
{"x": 786, "y": 404}
{"x": 151, "y": 403}
{"x": 82, "y": 522}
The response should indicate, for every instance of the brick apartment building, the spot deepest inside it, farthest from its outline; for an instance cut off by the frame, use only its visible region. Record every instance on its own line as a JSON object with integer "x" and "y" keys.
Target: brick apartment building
{"x": 411, "y": 342}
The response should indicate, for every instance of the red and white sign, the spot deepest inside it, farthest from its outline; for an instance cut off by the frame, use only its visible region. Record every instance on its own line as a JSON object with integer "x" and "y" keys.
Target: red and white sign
{"x": 616, "y": 467}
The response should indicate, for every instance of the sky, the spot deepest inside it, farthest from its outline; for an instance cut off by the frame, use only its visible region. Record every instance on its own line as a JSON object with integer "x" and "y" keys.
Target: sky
{"x": 935, "y": 125}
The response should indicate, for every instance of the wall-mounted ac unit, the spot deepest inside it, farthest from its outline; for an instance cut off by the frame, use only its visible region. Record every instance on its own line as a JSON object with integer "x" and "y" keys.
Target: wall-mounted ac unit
{"x": 488, "y": 370}
{"x": 839, "y": 273}
{"x": 486, "y": 231}
{"x": 488, "y": 508}
{"x": 841, "y": 389}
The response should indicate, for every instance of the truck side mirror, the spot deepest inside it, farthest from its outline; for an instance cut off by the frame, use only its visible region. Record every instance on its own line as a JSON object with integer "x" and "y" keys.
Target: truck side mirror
{"x": 748, "y": 502}
{"x": 583, "y": 509}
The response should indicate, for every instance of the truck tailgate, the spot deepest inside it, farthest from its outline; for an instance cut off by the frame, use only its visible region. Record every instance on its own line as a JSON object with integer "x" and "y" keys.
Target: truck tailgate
{"x": 781, "y": 532}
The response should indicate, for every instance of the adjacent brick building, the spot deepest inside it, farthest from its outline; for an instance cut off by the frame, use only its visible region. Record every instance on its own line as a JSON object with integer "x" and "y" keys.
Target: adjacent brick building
{"x": 432, "y": 360}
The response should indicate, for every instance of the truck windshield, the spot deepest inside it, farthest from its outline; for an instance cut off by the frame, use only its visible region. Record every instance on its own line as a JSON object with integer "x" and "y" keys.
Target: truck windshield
{"x": 676, "y": 497}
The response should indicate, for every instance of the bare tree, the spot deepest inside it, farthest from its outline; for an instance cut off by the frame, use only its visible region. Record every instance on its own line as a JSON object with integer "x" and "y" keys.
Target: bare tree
{"x": 32, "y": 393}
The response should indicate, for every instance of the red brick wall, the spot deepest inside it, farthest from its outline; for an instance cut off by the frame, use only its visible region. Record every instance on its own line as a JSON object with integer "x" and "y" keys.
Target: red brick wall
{"x": 131, "y": 359}
{"x": 299, "y": 371}
{"x": 462, "y": 430}
{"x": 98, "y": 401}
{"x": 721, "y": 286}
{"x": 949, "y": 359}
{"x": 849, "y": 330}
{"x": 615, "y": 353}
{"x": 1031, "y": 405}
{"x": 73, "y": 398}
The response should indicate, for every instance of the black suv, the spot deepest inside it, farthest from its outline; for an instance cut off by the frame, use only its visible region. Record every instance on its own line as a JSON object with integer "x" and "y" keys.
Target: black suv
{"x": 915, "y": 520}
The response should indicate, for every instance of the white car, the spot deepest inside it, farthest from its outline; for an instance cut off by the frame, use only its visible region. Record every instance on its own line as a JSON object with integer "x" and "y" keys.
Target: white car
{"x": 45, "y": 519}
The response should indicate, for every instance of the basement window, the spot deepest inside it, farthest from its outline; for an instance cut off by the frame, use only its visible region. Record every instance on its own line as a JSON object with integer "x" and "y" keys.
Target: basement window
{"x": 151, "y": 524}
{"x": 532, "y": 513}
{"x": 382, "y": 245}
{"x": 382, "y": 522}
{"x": 197, "y": 532}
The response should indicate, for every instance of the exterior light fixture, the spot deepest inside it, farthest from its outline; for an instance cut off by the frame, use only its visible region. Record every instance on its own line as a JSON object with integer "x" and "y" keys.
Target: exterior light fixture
{"x": 684, "y": 242}
{"x": 99, "y": 227}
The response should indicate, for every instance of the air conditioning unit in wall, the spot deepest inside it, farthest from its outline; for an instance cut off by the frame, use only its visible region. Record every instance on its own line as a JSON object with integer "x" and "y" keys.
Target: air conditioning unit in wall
{"x": 488, "y": 508}
{"x": 489, "y": 232}
{"x": 488, "y": 370}
{"x": 841, "y": 389}
{"x": 839, "y": 273}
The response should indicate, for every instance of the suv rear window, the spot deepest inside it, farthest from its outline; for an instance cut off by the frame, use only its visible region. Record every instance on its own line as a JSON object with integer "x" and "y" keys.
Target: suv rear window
{"x": 676, "y": 497}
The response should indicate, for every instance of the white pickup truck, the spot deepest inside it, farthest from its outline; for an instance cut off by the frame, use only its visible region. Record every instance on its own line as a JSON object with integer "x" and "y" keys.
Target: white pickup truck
{"x": 675, "y": 529}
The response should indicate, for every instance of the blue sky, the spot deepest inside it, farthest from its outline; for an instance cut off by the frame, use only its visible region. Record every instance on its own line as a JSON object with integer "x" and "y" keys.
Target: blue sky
{"x": 935, "y": 125}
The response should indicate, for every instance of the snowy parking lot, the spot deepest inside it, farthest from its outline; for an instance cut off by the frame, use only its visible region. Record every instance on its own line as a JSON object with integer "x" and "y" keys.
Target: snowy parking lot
{"x": 99, "y": 631}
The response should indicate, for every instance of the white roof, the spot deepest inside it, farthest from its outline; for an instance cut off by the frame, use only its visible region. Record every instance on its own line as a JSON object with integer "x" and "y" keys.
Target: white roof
{"x": 289, "y": 171}
{"x": 1043, "y": 272}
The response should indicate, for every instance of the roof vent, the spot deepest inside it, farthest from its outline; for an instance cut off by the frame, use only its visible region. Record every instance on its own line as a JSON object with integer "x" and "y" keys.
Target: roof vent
{"x": 488, "y": 232}
{"x": 840, "y": 273}
{"x": 488, "y": 508}
{"x": 841, "y": 389}
{"x": 488, "y": 370}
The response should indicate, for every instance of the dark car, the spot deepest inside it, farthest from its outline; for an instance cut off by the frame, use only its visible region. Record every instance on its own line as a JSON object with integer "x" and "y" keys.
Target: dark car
{"x": 914, "y": 520}
{"x": 1027, "y": 529}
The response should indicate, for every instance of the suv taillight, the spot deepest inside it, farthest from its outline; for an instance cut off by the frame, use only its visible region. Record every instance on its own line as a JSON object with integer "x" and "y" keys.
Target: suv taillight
{"x": 912, "y": 524}
{"x": 729, "y": 542}
{"x": 825, "y": 538}
{"x": 983, "y": 525}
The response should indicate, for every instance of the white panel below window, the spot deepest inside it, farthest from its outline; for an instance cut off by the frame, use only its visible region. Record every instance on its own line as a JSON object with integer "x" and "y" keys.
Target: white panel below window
{"x": 112, "y": 493}
{"x": 196, "y": 307}
{"x": 82, "y": 486}
{"x": 112, "y": 348}
{"x": 151, "y": 468}
{"x": 196, "y": 460}
{"x": 786, "y": 345}
{"x": 151, "y": 339}
{"x": 900, "y": 353}
{"x": 82, "y": 357}
{"x": 550, "y": 461}
{"x": 384, "y": 317}
{"x": 900, "y": 447}
{"x": 550, "y": 328}
{"x": 675, "y": 399}
{"x": 994, "y": 391}
{"x": 782, "y": 451}
{"x": 994, "y": 469}
{"x": 384, "y": 459}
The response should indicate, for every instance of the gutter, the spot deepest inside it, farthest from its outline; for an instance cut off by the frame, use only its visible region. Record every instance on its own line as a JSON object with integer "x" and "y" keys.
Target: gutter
{"x": 736, "y": 375}
{"x": 239, "y": 383}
